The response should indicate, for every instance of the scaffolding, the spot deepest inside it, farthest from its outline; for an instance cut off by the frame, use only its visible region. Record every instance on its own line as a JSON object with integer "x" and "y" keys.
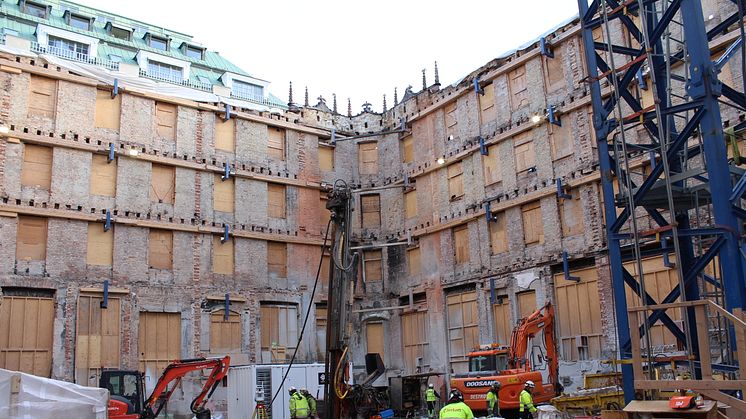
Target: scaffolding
{"x": 670, "y": 188}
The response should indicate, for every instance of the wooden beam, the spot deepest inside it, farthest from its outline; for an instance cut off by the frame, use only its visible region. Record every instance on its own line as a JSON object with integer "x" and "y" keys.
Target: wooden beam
{"x": 741, "y": 344}
{"x": 736, "y": 321}
{"x": 667, "y": 306}
{"x": 703, "y": 338}
{"x": 634, "y": 329}
{"x": 733, "y": 402}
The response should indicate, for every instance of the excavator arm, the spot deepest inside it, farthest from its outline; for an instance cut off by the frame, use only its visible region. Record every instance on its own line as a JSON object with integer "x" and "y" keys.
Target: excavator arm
{"x": 540, "y": 320}
{"x": 174, "y": 373}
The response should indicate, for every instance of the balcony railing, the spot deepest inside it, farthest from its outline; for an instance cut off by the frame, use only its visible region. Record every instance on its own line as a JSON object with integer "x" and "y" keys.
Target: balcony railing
{"x": 258, "y": 99}
{"x": 207, "y": 87}
{"x": 74, "y": 56}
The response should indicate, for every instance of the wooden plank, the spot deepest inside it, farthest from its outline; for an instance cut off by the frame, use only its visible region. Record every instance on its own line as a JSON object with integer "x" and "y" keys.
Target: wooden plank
{"x": 31, "y": 238}
{"x": 741, "y": 343}
{"x": 162, "y": 184}
{"x": 277, "y": 259}
{"x": 526, "y": 303}
{"x": 668, "y": 306}
{"x": 491, "y": 166}
{"x": 36, "y": 171}
{"x": 160, "y": 249}
{"x": 326, "y": 158}
{"x": 276, "y": 199}
{"x": 368, "y": 158}
{"x": 487, "y": 109}
{"x": 224, "y": 194}
{"x": 498, "y": 234}
{"x": 225, "y": 134}
{"x": 222, "y": 256}
{"x": 370, "y": 210}
{"x": 733, "y": 402}
{"x": 100, "y": 248}
{"x": 108, "y": 110}
{"x": 413, "y": 261}
{"x": 407, "y": 146}
{"x": 736, "y": 321}
{"x": 533, "y": 228}
{"x": 690, "y": 384}
{"x": 276, "y": 139}
{"x": 42, "y": 98}
{"x": 634, "y": 331}
{"x": 461, "y": 244}
{"x": 103, "y": 176}
{"x": 703, "y": 338}
{"x": 375, "y": 338}
{"x": 165, "y": 120}
{"x": 410, "y": 203}
{"x": 373, "y": 265}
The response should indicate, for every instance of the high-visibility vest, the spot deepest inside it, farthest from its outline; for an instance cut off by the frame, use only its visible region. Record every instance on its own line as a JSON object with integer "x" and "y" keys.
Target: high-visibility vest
{"x": 456, "y": 411}
{"x": 298, "y": 406}
{"x": 430, "y": 395}
{"x": 491, "y": 398}
{"x": 527, "y": 402}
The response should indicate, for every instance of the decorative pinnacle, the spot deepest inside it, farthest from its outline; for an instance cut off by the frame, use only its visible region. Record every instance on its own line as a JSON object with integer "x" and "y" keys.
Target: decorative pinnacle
{"x": 437, "y": 77}
{"x": 334, "y": 103}
{"x": 349, "y": 107}
{"x": 424, "y": 80}
{"x": 306, "y": 96}
{"x": 385, "y": 108}
{"x": 290, "y": 95}
{"x": 396, "y": 97}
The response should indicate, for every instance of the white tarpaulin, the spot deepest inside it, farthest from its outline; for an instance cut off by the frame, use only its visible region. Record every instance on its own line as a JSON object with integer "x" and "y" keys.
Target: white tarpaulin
{"x": 33, "y": 397}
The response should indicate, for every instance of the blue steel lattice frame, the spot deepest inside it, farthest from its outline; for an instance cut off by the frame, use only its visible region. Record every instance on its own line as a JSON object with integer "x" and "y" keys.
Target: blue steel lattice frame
{"x": 703, "y": 116}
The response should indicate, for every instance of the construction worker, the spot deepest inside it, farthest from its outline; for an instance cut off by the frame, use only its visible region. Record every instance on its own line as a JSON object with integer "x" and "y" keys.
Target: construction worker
{"x": 455, "y": 408}
{"x": 493, "y": 399}
{"x": 311, "y": 402}
{"x": 526, "y": 409}
{"x": 431, "y": 396}
{"x": 298, "y": 405}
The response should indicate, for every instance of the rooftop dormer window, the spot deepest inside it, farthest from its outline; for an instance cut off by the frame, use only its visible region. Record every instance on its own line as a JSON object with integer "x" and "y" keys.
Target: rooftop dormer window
{"x": 35, "y": 9}
{"x": 119, "y": 32}
{"x": 157, "y": 42}
{"x": 78, "y": 21}
{"x": 194, "y": 52}
{"x": 247, "y": 90}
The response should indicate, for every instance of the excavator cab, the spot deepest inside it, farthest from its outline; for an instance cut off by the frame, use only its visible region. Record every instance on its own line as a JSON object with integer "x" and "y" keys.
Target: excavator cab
{"x": 484, "y": 361}
{"x": 125, "y": 386}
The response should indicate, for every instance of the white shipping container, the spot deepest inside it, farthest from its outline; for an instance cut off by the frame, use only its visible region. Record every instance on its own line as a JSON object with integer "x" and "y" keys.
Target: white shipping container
{"x": 243, "y": 382}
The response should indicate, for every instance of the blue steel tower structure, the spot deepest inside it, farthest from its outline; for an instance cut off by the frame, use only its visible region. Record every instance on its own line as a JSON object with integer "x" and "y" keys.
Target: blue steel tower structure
{"x": 691, "y": 194}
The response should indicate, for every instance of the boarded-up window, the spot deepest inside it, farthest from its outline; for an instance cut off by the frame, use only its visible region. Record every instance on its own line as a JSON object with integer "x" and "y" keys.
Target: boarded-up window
{"x": 501, "y": 314}
{"x": 578, "y": 310}
{"x": 108, "y": 110}
{"x": 276, "y": 200}
{"x": 222, "y": 256}
{"x": 31, "y": 238}
{"x": 518, "y": 88}
{"x": 371, "y": 210}
{"x": 368, "y": 158}
{"x": 276, "y": 143}
{"x": 659, "y": 281}
{"x": 487, "y": 110}
{"x": 451, "y": 119}
{"x": 525, "y": 157}
{"x": 463, "y": 328}
{"x": 461, "y": 244}
{"x": 224, "y": 194}
{"x": 100, "y": 245}
{"x": 374, "y": 338}
{"x": 103, "y": 176}
{"x": 97, "y": 340}
{"x": 562, "y": 141}
{"x": 225, "y": 335}
{"x": 26, "y": 339}
{"x": 410, "y": 203}
{"x": 491, "y": 163}
{"x": 555, "y": 69}
{"x": 277, "y": 259}
{"x": 456, "y": 181}
{"x": 165, "y": 120}
{"x": 279, "y": 323}
{"x": 160, "y": 249}
{"x": 526, "y": 303}
{"x": 326, "y": 159}
{"x": 162, "y": 184}
{"x": 159, "y": 342}
{"x": 321, "y": 314}
{"x": 373, "y": 260}
{"x": 533, "y": 229}
{"x": 42, "y": 98}
{"x": 225, "y": 134}
{"x": 413, "y": 261}
{"x": 498, "y": 234}
{"x": 415, "y": 331}
{"x": 407, "y": 149}
{"x": 571, "y": 214}
{"x": 36, "y": 171}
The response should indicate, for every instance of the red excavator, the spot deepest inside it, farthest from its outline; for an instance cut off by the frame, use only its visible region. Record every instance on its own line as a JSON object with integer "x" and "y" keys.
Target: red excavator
{"x": 126, "y": 389}
{"x": 511, "y": 366}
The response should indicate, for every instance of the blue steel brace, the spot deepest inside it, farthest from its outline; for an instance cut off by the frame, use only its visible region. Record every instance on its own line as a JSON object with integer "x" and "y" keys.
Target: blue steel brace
{"x": 115, "y": 89}
{"x": 561, "y": 191}
{"x": 553, "y": 117}
{"x": 226, "y": 172}
{"x": 566, "y": 268}
{"x": 477, "y": 88}
{"x": 105, "y": 301}
{"x": 112, "y": 153}
{"x": 641, "y": 82}
{"x": 488, "y": 212}
{"x": 483, "y": 147}
{"x": 333, "y": 139}
{"x": 544, "y": 48}
{"x": 107, "y": 224}
{"x": 227, "y": 307}
{"x": 493, "y": 297}
{"x": 227, "y": 115}
{"x": 226, "y": 234}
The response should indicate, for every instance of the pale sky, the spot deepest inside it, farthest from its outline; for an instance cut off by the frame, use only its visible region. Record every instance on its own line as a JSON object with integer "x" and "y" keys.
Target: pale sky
{"x": 360, "y": 50}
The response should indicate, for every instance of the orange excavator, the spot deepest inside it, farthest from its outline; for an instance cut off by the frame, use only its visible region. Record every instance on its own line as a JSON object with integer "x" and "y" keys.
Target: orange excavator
{"x": 127, "y": 401}
{"x": 511, "y": 366}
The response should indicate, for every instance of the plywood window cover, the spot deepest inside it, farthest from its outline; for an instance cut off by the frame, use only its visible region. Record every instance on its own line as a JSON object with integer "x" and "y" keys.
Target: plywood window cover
{"x": 108, "y": 110}
{"x": 27, "y": 338}
{"x": 277, "y": 258}
{"x": 36, "y": 171}
{"x": 166, "y": 115}
{"x": 223, "y": 258}
{"x": 163, "y": 184}
{"x": 276, "y": 200}
{"x": 225, "y": 134}
{"x": 533, "y": 228}
{"x": 224, "y": 194}
{"x": 373, "y": 265}
{"x": 276, "y": 142}
{"x": 461, "y": 244}
{"x": 498, "y": 233}
{"x": 160, "y": 249}
{"x": 455, "y": 180}
{"x": 370, "y": 210}
{"x": 103, "y": 176}
{"x": 491, "y": 163}
{"x": 326, "y": 158}
{"x": 410, "y": 203}
{"x": 368, "y": 157}
{"x": 100, "y": 245}
{"x": 31, "y": 238}
{"x": 42, "y": 96}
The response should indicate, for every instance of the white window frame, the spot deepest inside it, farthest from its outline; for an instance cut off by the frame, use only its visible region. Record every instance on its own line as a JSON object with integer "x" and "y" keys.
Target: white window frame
{"x": 144, "y": 56}
{"x": 43, "y": 32}
{"x": 228, "y": 77}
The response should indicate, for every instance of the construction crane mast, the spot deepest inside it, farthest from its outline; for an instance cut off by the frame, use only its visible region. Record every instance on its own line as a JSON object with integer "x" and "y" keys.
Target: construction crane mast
{"x": 339, "y": 300}
{"x": 664, "y": 123}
